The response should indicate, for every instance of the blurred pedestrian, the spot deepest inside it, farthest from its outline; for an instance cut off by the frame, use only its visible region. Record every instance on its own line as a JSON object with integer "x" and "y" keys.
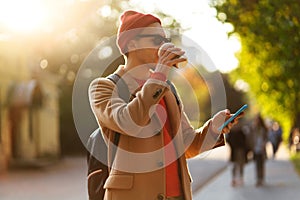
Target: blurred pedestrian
{"x": 275, "y": 137}
{"x": 294, "y": 140}
{"x": 237, "y": 142}
{"x": 260, "y": 139}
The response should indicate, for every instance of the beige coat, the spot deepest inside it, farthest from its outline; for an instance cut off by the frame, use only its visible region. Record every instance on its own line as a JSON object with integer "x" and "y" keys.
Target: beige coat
{"x": 138, "y": 170}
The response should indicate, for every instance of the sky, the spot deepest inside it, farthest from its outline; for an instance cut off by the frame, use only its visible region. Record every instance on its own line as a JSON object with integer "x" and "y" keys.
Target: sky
{"x": 196, "y": 15}
{"x": 204, "y": 29}
{"x": 32, "y": 19}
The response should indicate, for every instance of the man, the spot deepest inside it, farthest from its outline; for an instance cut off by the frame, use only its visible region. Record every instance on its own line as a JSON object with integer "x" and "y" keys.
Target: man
{"x": 238, "y": 155}
{"x": 156, "y": 137}
{"x": 275, "y": 137}
{"x": 260, "y": 139}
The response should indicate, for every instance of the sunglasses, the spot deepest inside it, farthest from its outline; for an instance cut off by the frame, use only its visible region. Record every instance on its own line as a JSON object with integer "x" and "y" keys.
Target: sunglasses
{"x": 157, "y": 39}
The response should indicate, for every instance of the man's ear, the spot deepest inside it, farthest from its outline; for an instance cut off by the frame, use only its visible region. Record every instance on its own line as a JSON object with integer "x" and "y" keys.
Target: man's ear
{"x": 131, "y": 45}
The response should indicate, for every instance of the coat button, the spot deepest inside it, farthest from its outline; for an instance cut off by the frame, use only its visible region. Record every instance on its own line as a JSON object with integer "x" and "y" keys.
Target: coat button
{"x": 157, "y": 132}
{"x": 160, "y": 197}
{"x": 160, "y": 164}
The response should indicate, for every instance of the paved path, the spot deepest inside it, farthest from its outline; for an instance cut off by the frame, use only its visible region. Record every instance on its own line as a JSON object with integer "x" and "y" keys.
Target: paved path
{"x": 208, "y": 165}
{"x": 282, "y": 182}
{"x": 66, "y": 180}
{"x": 62, "y": 181}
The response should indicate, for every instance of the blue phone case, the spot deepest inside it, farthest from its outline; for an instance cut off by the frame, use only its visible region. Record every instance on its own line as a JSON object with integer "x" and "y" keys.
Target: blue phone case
{"x": 233, "y": 116}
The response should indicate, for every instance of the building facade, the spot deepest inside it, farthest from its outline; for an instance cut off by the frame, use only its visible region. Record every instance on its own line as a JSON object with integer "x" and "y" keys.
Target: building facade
{"x": 29, "y": 109}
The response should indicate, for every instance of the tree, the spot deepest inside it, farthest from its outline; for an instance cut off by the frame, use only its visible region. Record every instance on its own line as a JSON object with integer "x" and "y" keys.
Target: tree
{"x": 269, "y": 59}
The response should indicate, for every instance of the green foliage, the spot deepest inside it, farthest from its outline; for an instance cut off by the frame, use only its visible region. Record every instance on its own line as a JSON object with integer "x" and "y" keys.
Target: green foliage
{"x": 269, "y": 31}
{"x": 199, "y": 93}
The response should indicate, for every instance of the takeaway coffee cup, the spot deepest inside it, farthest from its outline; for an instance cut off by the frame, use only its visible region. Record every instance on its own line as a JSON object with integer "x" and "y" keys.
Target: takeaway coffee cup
{"x": 178, "y": 65}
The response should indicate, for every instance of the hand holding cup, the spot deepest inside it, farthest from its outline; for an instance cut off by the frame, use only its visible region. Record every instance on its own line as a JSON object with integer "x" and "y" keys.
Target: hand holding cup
{"x": 170, "y": 55}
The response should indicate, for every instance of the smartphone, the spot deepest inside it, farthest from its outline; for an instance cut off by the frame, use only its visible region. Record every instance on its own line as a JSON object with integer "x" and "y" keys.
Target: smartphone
{"x": 233, "y": 117}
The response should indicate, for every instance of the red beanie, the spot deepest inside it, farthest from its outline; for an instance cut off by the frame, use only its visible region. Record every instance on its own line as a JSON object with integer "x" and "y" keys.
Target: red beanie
{"x": 133, "y": 21}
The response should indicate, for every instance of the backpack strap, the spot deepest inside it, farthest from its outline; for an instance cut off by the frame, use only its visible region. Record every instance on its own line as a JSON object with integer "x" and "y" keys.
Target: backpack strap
{"x": 174, "y": 91}
{"x": 123, "y": 90}
{"x": 98, "y": 159}
{"x": 124, "y": 93}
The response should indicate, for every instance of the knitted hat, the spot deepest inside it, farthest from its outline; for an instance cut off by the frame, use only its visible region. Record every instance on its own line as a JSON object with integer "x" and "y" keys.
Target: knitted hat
{"x": 131, "y": 24}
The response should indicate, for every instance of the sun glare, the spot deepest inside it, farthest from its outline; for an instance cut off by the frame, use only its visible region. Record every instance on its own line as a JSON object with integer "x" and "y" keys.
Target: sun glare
{"x": 21, "y": 15}
{"x": 202, "y": 27}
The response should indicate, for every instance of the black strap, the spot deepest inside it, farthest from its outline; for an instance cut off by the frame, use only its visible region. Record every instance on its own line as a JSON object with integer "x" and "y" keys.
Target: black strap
{"x": 124, "y": 93}
{"x": 123, "y": 90}
{"x": 174, "y": 91}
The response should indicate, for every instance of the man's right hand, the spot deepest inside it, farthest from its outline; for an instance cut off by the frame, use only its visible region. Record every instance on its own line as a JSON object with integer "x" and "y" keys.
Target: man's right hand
{"x": 170, "y": 55}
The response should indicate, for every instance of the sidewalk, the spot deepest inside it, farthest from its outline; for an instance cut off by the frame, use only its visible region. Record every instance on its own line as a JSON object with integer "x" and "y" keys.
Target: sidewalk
{"x": 66, "y": 180}
{"x": 210, "y": 172}
{"x": 282, "y": 182}
{"x": 208, "y": 165}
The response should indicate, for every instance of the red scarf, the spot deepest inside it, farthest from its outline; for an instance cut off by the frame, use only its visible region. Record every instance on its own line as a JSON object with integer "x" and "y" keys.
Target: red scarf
{"x": 173, "y": 184}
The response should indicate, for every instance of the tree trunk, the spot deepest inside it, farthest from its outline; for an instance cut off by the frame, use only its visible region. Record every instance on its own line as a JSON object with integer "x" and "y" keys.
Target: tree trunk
{"x": 297, "y": 120}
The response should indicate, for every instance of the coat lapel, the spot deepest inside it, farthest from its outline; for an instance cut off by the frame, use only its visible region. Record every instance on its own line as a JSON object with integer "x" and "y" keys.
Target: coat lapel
{"x": 173, "y": 111}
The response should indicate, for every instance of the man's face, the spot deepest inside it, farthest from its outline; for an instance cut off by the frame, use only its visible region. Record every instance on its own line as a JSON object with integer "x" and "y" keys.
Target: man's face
{"x": 147, "y": 43}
